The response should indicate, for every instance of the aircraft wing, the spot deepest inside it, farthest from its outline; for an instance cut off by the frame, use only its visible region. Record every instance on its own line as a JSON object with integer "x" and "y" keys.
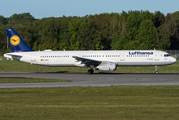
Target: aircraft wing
{"x": 87, "y": 61}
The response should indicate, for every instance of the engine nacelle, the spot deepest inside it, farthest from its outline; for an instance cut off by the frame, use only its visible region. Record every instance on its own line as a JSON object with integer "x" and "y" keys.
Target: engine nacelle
{"x": 109, "y": 66}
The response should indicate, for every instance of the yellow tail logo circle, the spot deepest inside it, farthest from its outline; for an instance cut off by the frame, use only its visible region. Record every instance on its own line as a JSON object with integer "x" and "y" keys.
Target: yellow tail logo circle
{"x": 15, "y": 40}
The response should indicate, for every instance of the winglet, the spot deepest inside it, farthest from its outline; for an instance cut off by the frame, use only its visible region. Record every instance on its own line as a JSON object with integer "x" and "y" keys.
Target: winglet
{"x": 16, "y": 42}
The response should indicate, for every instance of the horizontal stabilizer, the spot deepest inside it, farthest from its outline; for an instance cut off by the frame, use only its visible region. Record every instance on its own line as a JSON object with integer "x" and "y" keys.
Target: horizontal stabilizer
{"x": 13, "y": 56}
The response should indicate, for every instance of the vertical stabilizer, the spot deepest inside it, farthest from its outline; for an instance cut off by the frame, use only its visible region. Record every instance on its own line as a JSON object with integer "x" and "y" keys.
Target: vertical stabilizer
{"x": 17, "y": 44}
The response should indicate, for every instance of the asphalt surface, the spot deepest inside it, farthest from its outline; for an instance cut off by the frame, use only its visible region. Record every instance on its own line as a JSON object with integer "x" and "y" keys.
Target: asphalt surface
{"x": 96, "y": 79}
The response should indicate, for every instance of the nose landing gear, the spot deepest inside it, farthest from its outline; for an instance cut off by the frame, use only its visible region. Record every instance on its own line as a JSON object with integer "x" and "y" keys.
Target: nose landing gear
{"x": 156, "y": 70}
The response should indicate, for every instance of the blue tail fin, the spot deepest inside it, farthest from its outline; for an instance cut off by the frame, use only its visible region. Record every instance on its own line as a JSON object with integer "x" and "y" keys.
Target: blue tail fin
{"x": 16, "y": 42}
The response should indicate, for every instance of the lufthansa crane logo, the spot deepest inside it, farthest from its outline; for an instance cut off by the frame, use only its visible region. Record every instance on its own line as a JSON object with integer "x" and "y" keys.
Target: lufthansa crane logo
{"x": 15, "y": 40}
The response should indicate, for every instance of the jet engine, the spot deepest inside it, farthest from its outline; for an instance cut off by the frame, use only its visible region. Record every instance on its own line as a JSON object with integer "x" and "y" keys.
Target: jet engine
{"x": 108, "y": 66}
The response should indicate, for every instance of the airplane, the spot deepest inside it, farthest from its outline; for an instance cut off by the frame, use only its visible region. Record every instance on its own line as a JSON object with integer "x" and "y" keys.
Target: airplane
{"x": 103, "y": 60}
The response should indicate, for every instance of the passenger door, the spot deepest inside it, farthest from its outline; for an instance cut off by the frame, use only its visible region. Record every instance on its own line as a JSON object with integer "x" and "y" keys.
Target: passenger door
{"x": 122, "y": 57}
{"x": 33, "y": 57}
{"x": 157, "y": 56}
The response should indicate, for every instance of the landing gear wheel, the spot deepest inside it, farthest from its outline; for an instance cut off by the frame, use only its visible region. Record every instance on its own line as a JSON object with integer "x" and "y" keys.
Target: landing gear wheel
{"x": 156, "y": 72}
{"x": 90, "y": 71}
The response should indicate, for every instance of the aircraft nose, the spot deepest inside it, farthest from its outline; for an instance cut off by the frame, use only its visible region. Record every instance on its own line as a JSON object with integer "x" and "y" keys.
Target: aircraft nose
{"x": 174, "y": 60}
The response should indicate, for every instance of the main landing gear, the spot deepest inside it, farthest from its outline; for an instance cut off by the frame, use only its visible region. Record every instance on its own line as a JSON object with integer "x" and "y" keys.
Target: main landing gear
{"x": 156, "y": 70}
{"x": 90, "y": 71}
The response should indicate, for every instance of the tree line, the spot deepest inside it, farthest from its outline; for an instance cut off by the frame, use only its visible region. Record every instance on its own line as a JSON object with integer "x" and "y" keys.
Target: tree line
{"x": 132, "y": 30}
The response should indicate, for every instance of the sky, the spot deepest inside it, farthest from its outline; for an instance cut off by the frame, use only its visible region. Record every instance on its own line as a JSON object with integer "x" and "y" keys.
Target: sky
{"x": 57, "y": 8}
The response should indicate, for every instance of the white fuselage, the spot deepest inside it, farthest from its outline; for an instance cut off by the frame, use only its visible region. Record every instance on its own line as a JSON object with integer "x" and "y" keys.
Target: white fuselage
{"x": 119, "y": 57}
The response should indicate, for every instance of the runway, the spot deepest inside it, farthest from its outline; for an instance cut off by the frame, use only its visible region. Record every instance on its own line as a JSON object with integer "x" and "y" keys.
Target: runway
{"x": 96, "y": 79}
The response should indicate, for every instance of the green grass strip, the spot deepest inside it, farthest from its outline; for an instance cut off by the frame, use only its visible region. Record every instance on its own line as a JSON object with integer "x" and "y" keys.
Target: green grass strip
{"x": 30, "y": 80}
{"x": 91, "y": 103}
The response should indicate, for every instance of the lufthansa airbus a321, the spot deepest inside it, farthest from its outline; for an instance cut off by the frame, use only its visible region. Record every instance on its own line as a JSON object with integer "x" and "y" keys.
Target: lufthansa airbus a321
{"x": 104, "y": 60}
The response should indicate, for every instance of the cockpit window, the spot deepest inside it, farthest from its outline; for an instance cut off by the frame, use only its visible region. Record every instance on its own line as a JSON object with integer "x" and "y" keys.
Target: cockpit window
{"x": 166, "y": 55}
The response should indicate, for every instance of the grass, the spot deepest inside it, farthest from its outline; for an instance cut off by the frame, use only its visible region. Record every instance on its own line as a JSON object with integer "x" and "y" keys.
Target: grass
{"x": 97, "y": 103}
{"x": 16, "y": 66}
{"x": 29, "y": 80}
